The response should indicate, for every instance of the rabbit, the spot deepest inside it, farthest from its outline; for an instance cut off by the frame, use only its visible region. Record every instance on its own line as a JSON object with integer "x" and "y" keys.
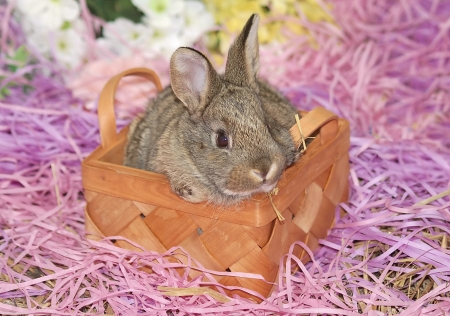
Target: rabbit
{"x": 218, "y": 138}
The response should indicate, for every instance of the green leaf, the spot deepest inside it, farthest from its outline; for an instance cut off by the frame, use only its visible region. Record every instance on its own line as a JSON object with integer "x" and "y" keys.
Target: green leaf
{"x": 110, "y": 10}
{"x": 21, "y": 57}
{"x": 21, "y": 54}
{"x": 4, "y": 92}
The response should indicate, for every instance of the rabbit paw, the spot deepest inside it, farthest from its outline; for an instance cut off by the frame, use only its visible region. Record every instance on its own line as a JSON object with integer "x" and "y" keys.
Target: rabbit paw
{"x": 188, "y": 193}
{"x": 183, "y": 191}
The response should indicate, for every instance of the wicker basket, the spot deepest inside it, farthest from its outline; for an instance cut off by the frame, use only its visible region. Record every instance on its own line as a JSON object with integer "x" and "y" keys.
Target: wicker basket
{"x": 140, "y": 205}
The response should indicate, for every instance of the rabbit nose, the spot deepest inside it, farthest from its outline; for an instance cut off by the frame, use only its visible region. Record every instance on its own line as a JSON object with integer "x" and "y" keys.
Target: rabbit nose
{"x": 259, "y": 174}
{"x": 264, "y": 171}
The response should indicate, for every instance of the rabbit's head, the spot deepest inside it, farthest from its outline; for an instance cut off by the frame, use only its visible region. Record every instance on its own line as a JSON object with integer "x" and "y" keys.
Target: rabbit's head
{"x": 227, "y": 134}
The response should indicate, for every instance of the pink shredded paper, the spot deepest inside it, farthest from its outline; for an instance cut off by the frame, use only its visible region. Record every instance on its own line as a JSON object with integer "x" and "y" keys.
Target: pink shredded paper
{"x": 383, "y": 65}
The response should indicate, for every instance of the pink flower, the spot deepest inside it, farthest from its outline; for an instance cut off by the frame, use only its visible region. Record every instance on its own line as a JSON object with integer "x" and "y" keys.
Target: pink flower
{"x": 133, "y": 93}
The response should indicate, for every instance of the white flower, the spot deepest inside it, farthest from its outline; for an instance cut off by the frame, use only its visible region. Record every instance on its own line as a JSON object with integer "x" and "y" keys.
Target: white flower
{"x": 166, "y": 25}
{"x": 54, "y": 29}
{"x": 35, "y": 37}
{"x": 160, "y": 12}
{"x": 69, "y": 48}
{"x": 122, "y": 35}
{"x": 197, "y": 20}
{"x": 165, "y": 41}
{"x": 65, "y": 45}
{"x": 49, "y": 14}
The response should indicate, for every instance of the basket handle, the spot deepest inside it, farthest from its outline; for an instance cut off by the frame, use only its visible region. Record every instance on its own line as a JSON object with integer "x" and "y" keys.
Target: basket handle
{"x": 317, "y": 118}
{"x": 106, "y": 116}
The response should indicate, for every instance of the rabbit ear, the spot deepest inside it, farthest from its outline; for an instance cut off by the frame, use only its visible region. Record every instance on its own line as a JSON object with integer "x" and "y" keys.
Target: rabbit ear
{"x": 194, "y": 80}
{"x": 243, "y": 56}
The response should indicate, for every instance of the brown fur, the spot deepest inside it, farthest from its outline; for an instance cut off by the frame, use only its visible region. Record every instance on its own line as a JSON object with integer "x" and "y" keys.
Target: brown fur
{"x": 177, "y": 134}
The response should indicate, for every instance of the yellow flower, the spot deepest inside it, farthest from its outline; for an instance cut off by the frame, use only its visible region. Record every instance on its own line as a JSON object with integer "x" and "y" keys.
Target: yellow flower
{"x": 232, "y": 14}
{"x": 314, "y": 11}
{"x": 280, "y": 6}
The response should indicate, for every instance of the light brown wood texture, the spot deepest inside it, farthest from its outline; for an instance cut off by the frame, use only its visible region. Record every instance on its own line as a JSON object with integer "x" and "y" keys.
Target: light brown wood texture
{"x": 106, "y": 116}
{"x": 137, "y": 231}
{"x": 256, "y": 261}
{"x": 140, "y": 205}
{"x": 180, "y": 223}
{"x": 150, "y": 188}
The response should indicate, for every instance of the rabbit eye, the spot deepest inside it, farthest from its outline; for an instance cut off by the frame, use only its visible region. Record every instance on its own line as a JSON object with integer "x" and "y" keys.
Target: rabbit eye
{"x": 222, "y": 139}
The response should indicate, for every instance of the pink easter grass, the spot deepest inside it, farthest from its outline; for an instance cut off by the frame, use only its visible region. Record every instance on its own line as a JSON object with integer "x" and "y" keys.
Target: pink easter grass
{"x": 383, "y": 66}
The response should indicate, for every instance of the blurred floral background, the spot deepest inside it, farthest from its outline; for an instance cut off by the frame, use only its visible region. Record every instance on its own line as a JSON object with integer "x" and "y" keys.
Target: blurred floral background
{"x": 85, "y": 42}
{"x": 55, "y": 28}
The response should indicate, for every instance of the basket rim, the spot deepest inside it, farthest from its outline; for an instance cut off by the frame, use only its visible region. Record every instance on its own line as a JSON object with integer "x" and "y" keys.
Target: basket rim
{"x": 100, "y": 176}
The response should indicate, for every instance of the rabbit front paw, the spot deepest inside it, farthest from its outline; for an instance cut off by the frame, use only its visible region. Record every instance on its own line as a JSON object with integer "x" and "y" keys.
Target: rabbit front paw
{"x": 188, "y": 192}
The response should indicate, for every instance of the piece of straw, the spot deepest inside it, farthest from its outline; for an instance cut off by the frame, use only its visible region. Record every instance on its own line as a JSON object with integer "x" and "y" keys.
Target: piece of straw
{"x": 58, "y": 195}
{"x": 174, "y": 291}
{"x": 297, "y": 119}
{"x": 433, "y": 198}
{"x": 269, "y": 194}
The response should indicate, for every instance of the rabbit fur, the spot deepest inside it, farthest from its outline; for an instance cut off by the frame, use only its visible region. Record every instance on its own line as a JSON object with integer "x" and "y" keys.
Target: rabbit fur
{"x": 217, "y": 138}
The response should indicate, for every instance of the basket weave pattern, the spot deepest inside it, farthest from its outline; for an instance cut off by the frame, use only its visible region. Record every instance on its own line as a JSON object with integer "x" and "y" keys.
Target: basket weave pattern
{"x": 140, "y": 206}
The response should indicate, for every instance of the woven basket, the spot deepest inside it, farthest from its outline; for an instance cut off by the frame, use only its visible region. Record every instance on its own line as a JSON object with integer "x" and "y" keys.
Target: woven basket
{"x": 140, "y": 205}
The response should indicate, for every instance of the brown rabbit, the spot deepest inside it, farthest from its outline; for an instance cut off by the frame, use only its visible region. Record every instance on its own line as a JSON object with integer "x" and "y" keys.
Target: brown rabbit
{"x": 217, "y": 138}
